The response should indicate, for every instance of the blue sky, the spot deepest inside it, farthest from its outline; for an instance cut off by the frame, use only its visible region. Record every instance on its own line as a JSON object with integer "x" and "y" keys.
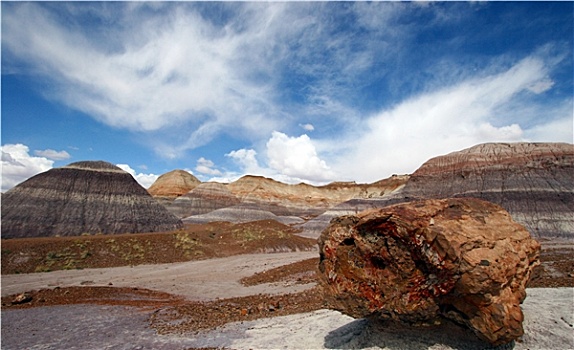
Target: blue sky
{"x": 312, "y": 92}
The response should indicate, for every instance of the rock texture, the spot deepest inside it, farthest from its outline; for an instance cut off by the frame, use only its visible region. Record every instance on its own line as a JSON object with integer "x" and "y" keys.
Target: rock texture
{"x": 281, "y": 199}
{"x": 203, "y": 199}
{"x": 267, "y": 195}
{"x": 313, "y": 228}
{"x": 534, "y": 182}
{"x": 463, "y": 259}
{"x": 240, "y": 213}
{"x": 305, "y": 200}
{"x": 173, "y": 184}
{"x": 83, "y": 197}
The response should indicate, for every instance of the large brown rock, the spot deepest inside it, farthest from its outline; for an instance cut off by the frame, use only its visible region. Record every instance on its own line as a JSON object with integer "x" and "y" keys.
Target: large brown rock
{"x": 463, "y": 259}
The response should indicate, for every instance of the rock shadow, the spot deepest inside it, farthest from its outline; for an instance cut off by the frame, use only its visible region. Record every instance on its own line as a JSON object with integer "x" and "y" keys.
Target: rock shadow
{"x": 368, "y": 333}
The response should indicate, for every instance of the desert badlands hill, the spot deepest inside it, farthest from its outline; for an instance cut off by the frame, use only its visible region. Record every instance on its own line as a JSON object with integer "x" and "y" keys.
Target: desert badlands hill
{"x": 87, "y": 197}
{"x": 192, "y": 265}
{"x": 533, "y": 181}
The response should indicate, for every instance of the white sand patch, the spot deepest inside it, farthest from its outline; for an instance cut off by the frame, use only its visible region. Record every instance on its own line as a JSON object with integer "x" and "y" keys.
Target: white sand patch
{"x": 195, "y": 280}
{"x": 548, "y": 325}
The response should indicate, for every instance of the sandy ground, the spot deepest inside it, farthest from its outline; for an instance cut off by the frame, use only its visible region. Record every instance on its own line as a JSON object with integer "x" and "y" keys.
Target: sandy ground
{"x": 548, "y": 323}
{"x": 194, "y": 280}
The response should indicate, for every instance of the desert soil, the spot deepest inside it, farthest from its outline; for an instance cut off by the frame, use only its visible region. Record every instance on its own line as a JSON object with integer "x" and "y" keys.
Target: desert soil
{"x": 231, "y": 295}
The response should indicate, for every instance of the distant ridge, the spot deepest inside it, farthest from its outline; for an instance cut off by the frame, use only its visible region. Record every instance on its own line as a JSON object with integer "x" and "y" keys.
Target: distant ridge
{"x": 83, "y": 197}
{"x": 269, "y": 197}
{"x": 534, "y": 182}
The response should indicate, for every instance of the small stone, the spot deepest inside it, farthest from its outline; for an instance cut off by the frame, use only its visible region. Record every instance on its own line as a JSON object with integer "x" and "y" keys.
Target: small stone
{"x": 21, "y": 299}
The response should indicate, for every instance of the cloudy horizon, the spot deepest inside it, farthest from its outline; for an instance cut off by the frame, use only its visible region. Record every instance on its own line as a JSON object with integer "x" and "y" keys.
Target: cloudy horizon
{"x": 299, "y": 92}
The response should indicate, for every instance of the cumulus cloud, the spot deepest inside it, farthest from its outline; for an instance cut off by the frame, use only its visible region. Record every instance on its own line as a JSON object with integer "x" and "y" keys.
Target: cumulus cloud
{"x": 52, "y": 154}
{"x": 206, "y": 166}
{"x": 18, "y": 165}
{"x": 145, "y": 180}
{"x": 297, "y": 157}
{"x": 247, "y": 160}
{"x": 288, "y": 159}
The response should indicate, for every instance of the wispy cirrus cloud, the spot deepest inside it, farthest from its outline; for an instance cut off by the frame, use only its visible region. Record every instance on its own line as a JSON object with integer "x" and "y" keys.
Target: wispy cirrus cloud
{"x": 476, "y": 110}
{"x": 52, "y": 154}
{"x": 190, "y": 71}
{"x": 185, "y": 72}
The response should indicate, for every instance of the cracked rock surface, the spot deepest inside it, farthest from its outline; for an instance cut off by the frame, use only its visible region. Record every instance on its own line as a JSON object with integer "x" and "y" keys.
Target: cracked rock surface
{"x": 463, "y": 259}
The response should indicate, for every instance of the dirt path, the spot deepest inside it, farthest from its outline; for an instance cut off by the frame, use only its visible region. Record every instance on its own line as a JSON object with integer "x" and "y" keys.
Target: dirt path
{"x": 194, "y": 280}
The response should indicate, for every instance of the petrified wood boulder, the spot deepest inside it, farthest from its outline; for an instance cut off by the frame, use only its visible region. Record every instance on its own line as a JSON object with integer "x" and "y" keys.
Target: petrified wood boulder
{"x": 462, "y": 259}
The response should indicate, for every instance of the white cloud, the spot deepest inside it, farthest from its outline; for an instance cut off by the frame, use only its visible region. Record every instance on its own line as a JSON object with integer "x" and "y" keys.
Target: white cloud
{"x": 559, "y": 130}
{"x": 505, "y": 133}
{"x": 247, "y": 161}
{"x": 307, "y": 127}
{"x": 288, "y": 159}
{"x": 179, "y": 73}
{"x": 52, "y": 154}
{"x": 18, "y": 165}
{"x": 145, "y": 180}
{"x": 541, "y": 86}
{"x": 400, "y": 139}
{"x": 206, "y": 166}
{"x": 297, "y": 157}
